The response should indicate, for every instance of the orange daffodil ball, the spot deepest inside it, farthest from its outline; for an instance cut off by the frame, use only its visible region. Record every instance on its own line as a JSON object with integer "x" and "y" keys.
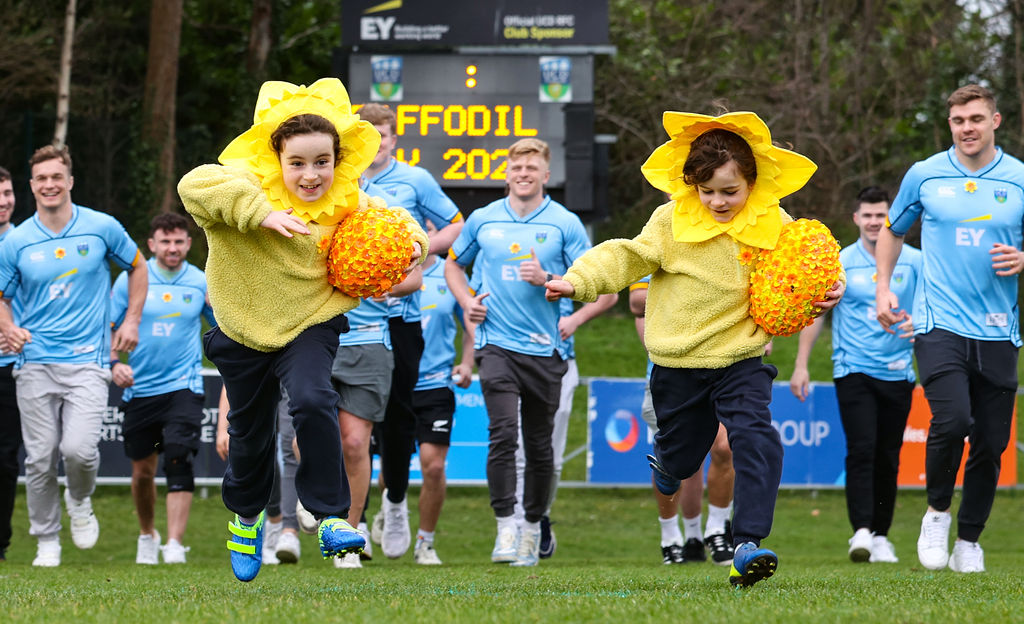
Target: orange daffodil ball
{"x": 787, "y": 280}
{"x": 280, "y": 101}
{"x": 780, "y": 172}
{"x": 369, "y": 251}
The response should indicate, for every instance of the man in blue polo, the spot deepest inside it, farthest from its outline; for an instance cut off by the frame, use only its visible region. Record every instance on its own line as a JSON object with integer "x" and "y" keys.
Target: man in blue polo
{"x": 414, "y": 189}
{"x": 57, "y": 265}
{"x": 970, "y": 200}
{"x": 163, "y": 384}
{"x": 518, "y": 351}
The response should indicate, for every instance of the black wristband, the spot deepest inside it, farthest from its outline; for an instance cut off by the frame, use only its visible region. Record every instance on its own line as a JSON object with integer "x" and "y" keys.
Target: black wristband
{"x": 549, "y": 277}
{"x": 112, "y": 362}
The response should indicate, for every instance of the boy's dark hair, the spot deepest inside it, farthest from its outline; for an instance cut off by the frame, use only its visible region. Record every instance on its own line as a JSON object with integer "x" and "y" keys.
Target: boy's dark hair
{"x": 715, "y": 148}
{"x": 306, "y": 123}
{"x": 871, "y": 195}
{"x": 50, "y": 152}
{"x": 168, "y": 222}
{"x": 5, "y": 175}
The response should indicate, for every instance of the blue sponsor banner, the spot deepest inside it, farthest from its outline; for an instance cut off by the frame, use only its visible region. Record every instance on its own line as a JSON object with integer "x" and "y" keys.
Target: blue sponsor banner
{"x": 619, "y": 441}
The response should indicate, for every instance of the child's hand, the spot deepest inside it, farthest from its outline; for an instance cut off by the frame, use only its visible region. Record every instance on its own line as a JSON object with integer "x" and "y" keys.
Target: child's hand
{"x": 556, "y": 289}
{"x": 417, "y": 251}
{"x": 284, "y": 222}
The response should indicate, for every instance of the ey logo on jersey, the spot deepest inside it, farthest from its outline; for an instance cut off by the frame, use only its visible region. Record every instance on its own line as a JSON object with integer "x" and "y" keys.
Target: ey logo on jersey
{"x": 61, "y": 291}
{"x": 164, "y": 330}
{"x": 968, "y": 236}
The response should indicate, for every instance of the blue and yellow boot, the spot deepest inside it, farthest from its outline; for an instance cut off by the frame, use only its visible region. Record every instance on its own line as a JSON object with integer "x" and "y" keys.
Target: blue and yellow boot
{"x": 751, "y": 564}
{"x": 338, "y": 537}
{"x": 246, "y": 546}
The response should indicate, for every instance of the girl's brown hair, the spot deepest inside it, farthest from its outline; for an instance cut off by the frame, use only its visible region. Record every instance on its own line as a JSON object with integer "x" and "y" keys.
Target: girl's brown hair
{"x": 715, "y": 148}
{"x": 306, "y": 123}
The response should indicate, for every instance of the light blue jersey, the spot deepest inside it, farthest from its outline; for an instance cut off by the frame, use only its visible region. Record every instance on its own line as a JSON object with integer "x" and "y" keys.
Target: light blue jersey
{"x": 169, "y": 355}
{"x": 962, "y": 215}
{"x": 859, "y": 344}
{"x": 7, "y": 360}
{"x": 439, "y": 311}
{"x": 519, "y": 318}
{"x": 568, "y": 348}
{"x": 367, "y": 324}
{"x": 63, "y": 283}
{"x": 414, "y": 189}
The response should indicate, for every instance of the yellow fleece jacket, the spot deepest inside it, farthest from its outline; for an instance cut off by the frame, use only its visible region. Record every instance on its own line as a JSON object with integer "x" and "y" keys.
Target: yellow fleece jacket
{"x": 265, "y": 288}
{"x": 698, "y": 300}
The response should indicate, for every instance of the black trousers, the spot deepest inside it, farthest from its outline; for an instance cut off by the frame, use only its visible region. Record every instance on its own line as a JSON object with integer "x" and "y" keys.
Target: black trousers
{"x": 874, "y": 415}
{"x": 971, "y": 386}
{"x": 10, "y": 442}
{"x": 689, "y": 404}
{"x": 398, "y": 431}
{"x": 253, "y": 380}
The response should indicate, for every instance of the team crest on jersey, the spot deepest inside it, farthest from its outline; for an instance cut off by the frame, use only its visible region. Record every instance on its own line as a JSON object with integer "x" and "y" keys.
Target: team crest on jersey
{"x": 167, "y": 297}
{"x": 442, "y": 289}
{"x": 541, "y": 237}
{"x": 897, "y": 277}
{"x": 59, "y": 253}
{"x": 1000, "y": 195}
{"x": 187, "y": 297}
{"x": 83, "y": 249}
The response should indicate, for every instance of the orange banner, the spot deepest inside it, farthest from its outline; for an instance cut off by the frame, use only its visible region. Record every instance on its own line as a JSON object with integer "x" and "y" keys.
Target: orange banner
{"x": 916, "y": 435}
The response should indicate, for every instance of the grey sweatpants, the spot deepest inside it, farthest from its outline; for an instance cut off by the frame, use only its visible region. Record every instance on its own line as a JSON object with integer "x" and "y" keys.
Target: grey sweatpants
{"x": 62, "y": 408}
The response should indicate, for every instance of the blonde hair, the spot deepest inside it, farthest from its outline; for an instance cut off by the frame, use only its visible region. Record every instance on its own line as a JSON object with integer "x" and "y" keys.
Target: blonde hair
{"x": 527, "y": 147}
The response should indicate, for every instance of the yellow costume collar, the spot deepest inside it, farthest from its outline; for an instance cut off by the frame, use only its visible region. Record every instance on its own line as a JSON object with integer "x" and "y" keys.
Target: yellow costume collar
{"x": 780, "y": 172}
{"x": 280, "y": 101}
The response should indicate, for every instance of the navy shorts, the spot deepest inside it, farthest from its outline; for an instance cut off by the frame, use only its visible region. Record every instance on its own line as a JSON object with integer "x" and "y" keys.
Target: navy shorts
{"x": 152, "y": 423}
{"x": 435, "y": 415}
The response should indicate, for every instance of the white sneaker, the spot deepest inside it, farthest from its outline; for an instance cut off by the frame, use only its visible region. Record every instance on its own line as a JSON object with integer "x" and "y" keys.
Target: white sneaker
{"x": 882, "y": 550}
{"x": 348, "y": 560}
{"x": 377, "y": 528}
{"x": 85, "y": 528}
{"x": 505, "y": 545}
{"x": 307, "y": 523}
{"x": 147, "y": 550}
{"x": 271, "y": 533}
{"x": 425, "y": 553}
{"x": 396, "y": 538}
{"x": 528, "y": 552}
{"x": 367, "y": 553}
{"x": 967, "y": 557}
{"x": 47, "y": 554}
{"x": 933, "y": 544}
{"x": 174, "y": 552}
{"x": 860, "y": 546}
{"x": 288, "y": 547}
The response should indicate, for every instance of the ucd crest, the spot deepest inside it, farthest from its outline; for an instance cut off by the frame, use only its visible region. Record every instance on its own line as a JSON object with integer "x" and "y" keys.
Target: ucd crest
{"x": 441, "y": 289}
{"x": 541, "y": 236}
{"x": 83, "y": 249}
{"x": 187, "y": 297}
{"x": 1000, "y": 195}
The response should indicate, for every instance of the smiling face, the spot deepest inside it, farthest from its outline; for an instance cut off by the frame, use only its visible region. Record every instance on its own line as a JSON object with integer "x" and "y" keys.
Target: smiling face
{"x": 870, "y": 219}
{"x": 973, "y": 126}
{"x": 170, "y": 247}
{"x": 307, "y": 165}
{"x": 725, "y": 193}
{"x": 51, "y": 184}
{"x": 388, "y": 140}
{"x": 526, "y": 176}
{"x": 6, "y": 202}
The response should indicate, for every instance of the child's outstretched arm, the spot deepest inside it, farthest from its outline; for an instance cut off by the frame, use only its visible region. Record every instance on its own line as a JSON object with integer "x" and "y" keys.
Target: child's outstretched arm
{"x": 215, "y": 194}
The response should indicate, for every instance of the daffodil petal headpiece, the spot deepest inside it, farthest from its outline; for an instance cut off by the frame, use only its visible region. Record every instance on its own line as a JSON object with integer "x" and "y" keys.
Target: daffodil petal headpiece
{"x": 780, "y": 172}
{"x": 280, "y": 101}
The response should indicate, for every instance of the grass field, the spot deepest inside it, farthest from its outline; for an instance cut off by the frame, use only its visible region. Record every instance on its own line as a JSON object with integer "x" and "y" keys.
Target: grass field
{"x": 607, "y": 568}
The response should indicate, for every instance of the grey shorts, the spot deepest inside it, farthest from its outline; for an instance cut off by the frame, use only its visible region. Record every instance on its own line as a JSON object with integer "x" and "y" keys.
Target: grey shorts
{"x": 362, "y": 376}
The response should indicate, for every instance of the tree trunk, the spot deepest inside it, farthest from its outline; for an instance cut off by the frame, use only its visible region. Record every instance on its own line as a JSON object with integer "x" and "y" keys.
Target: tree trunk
{"x": 158, "y": 106}
{"x": 259, "y": 38}
{"x": 60, "y": 133}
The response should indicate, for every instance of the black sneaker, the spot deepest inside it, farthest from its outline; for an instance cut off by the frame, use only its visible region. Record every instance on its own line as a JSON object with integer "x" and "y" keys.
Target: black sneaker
{"x": 693, "y": 550}
{"x": 673, "y": 553}
{"x": 720, "y": 545}
{"x": 548, "y": 543}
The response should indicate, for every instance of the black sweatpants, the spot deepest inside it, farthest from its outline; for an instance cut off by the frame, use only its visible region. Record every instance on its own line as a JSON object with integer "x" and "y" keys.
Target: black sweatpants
{"x": 689, "y": 404}
{"x": 253, "y": 380}
{"x": 874, "y": 414}
{"x": 971, "y": 386}
{"x": 10, "y": 442}
{"x": 398, "y": 431}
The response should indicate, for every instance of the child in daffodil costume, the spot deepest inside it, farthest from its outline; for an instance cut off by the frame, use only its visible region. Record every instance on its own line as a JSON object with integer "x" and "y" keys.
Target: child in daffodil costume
{"x": 269, "y": 212}
{"x": 725, "y": 179}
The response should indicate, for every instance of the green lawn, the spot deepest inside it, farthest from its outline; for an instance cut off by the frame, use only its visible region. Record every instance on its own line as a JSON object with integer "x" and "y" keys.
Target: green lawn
{"x": 607, "y": 568}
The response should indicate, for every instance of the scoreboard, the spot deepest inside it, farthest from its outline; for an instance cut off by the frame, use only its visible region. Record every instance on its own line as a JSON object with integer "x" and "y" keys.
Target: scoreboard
{"x": 457, "y": 114}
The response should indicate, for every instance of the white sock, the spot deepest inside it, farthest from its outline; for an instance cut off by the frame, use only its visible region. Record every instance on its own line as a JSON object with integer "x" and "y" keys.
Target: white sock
{"x": 531, "y": 527}
{"x": 670, "y": 533}
{"x": 507, "y": 523}
{"x": 716, "y": 519}
{"x": 691, "y": 527}
{"x": 426, "y": 536}
{"x": 173, "y": 541}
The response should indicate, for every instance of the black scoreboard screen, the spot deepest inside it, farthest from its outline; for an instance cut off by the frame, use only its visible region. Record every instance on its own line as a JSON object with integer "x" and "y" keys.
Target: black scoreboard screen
{"x": 457, "y": 114}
